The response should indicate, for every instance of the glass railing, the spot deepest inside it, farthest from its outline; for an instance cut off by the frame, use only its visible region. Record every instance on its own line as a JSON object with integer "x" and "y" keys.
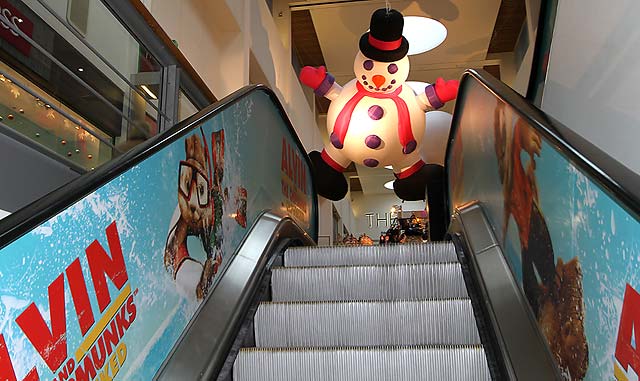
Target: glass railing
{"x": 87, "y": 89}
{"x": 100, "y": 278}
{"x": 27, "y": 110}
{"x": 567, "y": 218}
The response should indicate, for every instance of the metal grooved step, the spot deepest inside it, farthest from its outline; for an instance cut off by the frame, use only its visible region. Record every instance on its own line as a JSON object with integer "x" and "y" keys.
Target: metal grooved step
{"x": 354, "y": 324}
{"x": 434, "y": 252}
{"x": 368, "y": 364}
{"x": 380, "y": 283}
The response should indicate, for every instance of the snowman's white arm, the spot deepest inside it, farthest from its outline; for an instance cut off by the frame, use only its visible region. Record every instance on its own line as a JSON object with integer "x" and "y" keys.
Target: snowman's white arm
{"x": 328, "y": 88}
{"x": 428, "y": 99}
{"x": 333, "y": 92}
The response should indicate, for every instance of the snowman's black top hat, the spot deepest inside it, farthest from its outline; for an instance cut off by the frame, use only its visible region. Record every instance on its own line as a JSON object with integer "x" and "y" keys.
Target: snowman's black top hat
{"x": 384, "y": 41}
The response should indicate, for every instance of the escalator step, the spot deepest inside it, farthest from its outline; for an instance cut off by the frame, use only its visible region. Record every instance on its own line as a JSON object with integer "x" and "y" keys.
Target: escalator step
{"x": 361, "y": 283}
{"x": 361, "y": 324}
{"x": 433, "y": 252}
{"x": 371, "y": 364}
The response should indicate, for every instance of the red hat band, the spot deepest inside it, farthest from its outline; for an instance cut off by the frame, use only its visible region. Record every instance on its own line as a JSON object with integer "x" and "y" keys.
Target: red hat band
{"x": 384, "y": 45}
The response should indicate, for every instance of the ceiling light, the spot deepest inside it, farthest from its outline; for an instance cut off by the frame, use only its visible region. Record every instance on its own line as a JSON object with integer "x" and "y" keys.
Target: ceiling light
{"x": 388, "y": 167}
{"x": 389, "y": 184}
{"x": 149, "y": 92}
{"x": 80, "y": 69}
{"x": 423, "y": 33}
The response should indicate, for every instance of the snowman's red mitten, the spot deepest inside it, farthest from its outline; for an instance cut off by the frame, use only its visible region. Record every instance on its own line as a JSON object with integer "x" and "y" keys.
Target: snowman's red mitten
{"x": 447, "y": 90}
{"x": 317, "y": 78}
{"x": 441, "y": 92}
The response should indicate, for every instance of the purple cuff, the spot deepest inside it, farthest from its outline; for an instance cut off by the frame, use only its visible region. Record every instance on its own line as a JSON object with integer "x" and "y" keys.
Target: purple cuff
{"x": 430, "y": 91}
{"x": 325, "y": 86}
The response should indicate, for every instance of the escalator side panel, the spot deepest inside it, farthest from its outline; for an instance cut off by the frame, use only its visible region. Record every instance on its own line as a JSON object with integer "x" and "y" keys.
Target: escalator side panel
{"x": 132, "y": 250}
{"x": 565, "y": 215}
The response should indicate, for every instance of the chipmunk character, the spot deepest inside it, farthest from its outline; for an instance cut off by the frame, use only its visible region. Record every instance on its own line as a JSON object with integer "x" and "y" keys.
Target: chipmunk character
{"x": 197, "y": 218}
{"x": 553, "y": 290}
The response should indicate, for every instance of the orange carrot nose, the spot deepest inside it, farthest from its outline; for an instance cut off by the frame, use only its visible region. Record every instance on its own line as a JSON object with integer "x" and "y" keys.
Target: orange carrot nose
{"x": 379, "y": 80}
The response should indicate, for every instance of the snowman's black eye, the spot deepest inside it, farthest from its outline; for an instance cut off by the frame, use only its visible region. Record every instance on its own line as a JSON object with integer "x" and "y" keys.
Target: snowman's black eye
{"x": 368, "y": 65}
{"x": 392, "y": 69}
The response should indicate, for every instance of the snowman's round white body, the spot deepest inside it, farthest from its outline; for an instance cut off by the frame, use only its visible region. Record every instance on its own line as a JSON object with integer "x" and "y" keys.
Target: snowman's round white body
{"x": 374, "y": 104}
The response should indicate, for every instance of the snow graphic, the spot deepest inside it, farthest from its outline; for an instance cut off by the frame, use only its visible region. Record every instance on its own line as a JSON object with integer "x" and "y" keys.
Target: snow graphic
{"x": 143, "y": 204}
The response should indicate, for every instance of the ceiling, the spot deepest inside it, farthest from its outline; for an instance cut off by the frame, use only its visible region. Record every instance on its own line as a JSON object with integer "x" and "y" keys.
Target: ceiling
{"x": 327, "y": 33}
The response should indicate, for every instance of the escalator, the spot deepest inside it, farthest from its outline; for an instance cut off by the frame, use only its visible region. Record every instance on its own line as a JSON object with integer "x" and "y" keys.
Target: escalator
{"x": 193, "y": 257}
{"x": 396, "y": 312}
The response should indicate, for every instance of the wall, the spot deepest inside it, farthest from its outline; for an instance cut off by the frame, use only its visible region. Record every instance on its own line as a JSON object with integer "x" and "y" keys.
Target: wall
{"x": 344, "y": 209}
{"x": 593, "y": 74}
{"x": 378, "y": 205}
{"x": 325, "y": 222}
{"x": 219, "y": 38}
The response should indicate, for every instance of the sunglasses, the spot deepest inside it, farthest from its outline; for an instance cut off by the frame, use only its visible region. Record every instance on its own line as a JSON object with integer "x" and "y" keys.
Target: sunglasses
{"x": 189, "y": 176}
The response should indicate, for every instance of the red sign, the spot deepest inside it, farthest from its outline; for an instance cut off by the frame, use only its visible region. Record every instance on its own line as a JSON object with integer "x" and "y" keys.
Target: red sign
{"x": 627, "y": 353}
{"x": 11, "y": 17}
{"x": 102, "y": 351}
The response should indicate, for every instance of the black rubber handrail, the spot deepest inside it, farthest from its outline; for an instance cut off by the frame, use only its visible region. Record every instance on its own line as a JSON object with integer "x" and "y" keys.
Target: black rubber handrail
{"x": 617, "y": 180}
{"x": 24, "y": 220}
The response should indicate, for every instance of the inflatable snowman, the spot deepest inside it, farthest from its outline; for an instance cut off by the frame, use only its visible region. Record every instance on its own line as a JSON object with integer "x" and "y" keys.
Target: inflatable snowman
{"x": 376, "y": 119}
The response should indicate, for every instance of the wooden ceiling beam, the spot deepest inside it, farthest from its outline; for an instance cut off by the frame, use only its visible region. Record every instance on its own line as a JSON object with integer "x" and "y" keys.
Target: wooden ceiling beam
{"x": 511, "y": 17}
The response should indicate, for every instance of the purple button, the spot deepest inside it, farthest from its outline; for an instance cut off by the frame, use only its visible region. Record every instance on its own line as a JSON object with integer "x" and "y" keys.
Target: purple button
{"x": 410, "y": 147}
{"x": 370, "y": 162}
{"x": 376, "y": 112}
{"x": 335, "y": 141}
{"x": 373, "y": 141}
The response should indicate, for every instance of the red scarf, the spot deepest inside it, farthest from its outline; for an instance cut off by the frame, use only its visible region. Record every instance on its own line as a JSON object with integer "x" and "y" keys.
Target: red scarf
{"x": 404, "y": 121}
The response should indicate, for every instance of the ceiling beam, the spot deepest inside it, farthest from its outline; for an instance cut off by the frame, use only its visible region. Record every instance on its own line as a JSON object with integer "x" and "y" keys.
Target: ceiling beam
{"x": 511, "y": 17}
{"x": 307, "y": 5}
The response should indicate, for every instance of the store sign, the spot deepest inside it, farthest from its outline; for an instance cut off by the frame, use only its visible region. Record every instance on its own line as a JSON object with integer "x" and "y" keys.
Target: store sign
{"x": 378, "y": 219}
{"x": 10, "y": 18}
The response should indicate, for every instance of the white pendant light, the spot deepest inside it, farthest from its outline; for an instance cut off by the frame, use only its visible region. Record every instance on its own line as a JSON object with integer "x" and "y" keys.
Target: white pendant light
{"x": 423, "y": 33}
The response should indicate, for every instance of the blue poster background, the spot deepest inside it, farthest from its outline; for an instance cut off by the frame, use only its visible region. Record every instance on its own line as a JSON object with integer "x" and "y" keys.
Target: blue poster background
{"x": 143, "y": 203}
{"x": 583, "y": 221}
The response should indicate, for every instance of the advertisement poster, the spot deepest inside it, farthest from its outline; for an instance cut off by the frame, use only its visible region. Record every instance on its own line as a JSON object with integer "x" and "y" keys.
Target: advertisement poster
{"x": 570, "y": 245}
{"x": 104, "y": 289}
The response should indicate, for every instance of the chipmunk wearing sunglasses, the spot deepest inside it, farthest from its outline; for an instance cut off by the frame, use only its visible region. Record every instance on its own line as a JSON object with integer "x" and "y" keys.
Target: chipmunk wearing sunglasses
{"x": 196, "y": 219}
